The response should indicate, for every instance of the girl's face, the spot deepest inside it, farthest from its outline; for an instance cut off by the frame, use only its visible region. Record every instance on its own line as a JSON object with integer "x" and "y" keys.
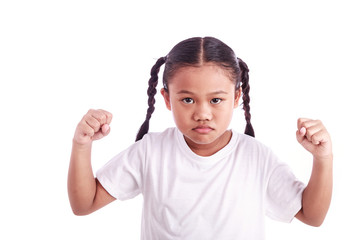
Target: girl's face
{"x": 202, "y": 100}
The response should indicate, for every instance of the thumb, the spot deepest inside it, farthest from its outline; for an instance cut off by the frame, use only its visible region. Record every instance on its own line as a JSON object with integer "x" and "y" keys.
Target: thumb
{"x": 301, "y": 138}
{"x": 105, "y": 129}
{"x": 300, "y": 134}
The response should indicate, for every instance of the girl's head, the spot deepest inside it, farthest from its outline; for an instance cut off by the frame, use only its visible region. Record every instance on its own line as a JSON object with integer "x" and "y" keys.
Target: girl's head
{"x": 198, "y": 53}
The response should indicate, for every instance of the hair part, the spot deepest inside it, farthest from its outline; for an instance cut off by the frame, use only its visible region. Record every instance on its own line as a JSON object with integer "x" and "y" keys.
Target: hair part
{"x": 195, "y": 52}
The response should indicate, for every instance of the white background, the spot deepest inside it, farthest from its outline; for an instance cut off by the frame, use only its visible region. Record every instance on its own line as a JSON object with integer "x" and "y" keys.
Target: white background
{"x": 60, "y": 58}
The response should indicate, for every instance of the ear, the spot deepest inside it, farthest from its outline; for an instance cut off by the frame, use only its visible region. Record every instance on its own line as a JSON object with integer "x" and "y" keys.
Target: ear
{"x": 166, "y": 96}
{"x": 237, "y": 97}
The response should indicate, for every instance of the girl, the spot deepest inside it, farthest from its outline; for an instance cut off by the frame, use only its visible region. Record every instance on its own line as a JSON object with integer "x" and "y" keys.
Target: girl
{"x": 201, "y": 180}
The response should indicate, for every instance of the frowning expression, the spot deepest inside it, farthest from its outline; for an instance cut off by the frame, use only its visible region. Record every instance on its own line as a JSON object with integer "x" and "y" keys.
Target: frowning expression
{"x": 202, "y": 100}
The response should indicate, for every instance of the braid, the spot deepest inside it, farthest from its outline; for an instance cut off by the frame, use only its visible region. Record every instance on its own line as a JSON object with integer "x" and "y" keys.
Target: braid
{"x": 153, "y": 81}
{"x": 246, "y": 98}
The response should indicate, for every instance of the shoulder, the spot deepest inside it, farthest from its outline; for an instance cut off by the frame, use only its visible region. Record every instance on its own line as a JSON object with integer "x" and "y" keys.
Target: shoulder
{"x": 166, "y": 135}
{"x": 250, "y": 143}
{"x": 253, "y": 150}
{"x": 150, "y": 141}
{"x": 159, "y": 139}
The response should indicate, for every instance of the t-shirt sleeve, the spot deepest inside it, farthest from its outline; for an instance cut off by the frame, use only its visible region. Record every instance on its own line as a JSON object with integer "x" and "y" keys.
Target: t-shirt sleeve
{"x": 283, "y": 194}
{"x": 122, "y": 175}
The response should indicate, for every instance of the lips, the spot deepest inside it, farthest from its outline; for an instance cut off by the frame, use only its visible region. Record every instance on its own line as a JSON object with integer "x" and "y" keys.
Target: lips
{"x": 203, "y": 129}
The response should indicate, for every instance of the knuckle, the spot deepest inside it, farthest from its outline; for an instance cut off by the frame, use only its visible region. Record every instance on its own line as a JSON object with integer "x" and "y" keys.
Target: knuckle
{"x": 102, "y": 118}
{"x": 96, "y": 125}
{"x": 301, "y": 121}
{"x": 305, "y": 124}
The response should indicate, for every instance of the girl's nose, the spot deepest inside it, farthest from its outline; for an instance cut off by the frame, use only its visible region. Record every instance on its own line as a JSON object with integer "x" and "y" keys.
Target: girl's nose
{"x": 202, "y": 113}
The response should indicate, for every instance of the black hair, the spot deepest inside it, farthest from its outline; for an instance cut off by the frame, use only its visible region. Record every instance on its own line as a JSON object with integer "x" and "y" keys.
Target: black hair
{"x": 195, "y": 52}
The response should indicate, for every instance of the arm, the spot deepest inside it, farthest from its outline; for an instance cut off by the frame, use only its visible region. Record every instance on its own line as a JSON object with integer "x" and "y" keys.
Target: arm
{"x": 86, "y": 194}
{"x": 313, "y": 136}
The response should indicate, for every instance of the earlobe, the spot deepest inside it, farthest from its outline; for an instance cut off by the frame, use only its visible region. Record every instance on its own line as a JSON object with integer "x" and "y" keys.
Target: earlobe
{"x": 237, "y": 98}
{"x": 166, "y": 96}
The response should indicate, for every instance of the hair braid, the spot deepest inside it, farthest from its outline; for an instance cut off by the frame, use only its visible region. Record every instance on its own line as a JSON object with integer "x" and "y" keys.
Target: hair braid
{"x": 151, "y": 92}
{"x": 246, "y": 98}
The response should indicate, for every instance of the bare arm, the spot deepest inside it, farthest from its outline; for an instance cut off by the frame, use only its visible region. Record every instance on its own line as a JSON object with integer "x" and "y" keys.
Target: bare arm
{"x": 86, "y": 194}
{"x": 313, "y": 136}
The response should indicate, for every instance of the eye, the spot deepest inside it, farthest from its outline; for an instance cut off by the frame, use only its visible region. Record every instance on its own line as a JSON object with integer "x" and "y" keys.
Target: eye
{"x": 188, "y": 100}
{"x": 215, "y": 100}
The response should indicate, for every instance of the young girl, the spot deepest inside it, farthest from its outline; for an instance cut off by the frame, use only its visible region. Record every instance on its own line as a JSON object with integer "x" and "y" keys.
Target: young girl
{"x": 201, "y": 180}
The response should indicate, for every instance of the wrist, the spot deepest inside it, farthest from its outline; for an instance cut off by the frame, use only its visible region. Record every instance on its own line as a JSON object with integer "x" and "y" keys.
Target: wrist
{"x": 80, "y": 146}
{"x": 327, "y": 159}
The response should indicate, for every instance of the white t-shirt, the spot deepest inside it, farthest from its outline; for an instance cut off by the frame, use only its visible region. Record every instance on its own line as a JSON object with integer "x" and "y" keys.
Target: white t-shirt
{"x": 186, "y": 196}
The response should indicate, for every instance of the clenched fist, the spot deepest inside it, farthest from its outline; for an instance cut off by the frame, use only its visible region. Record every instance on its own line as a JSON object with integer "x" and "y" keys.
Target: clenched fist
{"x": 93, "y": 126}
{"x": 314, "y": 137}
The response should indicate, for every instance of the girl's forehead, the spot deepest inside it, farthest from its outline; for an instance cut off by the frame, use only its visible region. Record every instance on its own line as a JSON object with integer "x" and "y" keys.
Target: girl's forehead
{"x": 204, "y": 67}
{"x": 199, "y": 77}
{"x": 208, "y": 70}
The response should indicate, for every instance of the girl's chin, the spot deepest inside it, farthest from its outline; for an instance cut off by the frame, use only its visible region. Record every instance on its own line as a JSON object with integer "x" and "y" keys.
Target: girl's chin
{"x": 199, "y": 140}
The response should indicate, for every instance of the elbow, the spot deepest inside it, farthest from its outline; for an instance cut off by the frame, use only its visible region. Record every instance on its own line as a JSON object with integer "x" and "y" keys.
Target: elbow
{"x": 313, "y": 222}
{"x": 316, "y": 223}
{"x": 77, "y": 212}
{"x": 310, "y": 219}
{"x": 80, "y": 208}
{"x": 80, "y": 212}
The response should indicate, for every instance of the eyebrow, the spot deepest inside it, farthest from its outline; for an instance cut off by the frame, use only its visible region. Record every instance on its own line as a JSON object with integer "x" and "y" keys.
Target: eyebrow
{"x": 191, "y": 93}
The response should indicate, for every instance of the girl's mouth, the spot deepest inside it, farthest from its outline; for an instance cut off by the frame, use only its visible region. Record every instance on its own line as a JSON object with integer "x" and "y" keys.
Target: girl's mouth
{"x": 203, "y": 129}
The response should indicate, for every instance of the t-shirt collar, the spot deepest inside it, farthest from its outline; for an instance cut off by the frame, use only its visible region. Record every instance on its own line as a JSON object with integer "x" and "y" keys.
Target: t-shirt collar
{"x": 210, "y": 159}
